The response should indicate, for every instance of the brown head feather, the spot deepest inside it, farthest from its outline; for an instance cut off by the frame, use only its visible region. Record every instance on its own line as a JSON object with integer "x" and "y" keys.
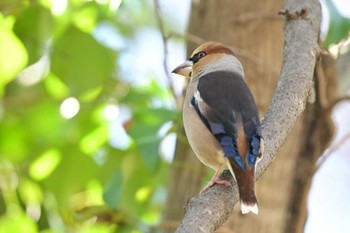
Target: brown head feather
{"x": 215, "y": 52}
{"x": 213, "y": 48}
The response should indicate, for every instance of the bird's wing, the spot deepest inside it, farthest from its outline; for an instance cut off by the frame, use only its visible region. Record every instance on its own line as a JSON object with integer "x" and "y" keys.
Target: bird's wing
{"x": 226, "y": 105}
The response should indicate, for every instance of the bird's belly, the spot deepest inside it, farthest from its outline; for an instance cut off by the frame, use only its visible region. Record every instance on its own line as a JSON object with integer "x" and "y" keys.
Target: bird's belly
{"x": 203, "y": 143}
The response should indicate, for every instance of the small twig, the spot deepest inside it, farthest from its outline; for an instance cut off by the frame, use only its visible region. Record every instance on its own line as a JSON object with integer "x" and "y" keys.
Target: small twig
{"x": 254, "y": 59}
{"x": 165, "y": 45}
{"x": 245, "y": 18}
{"x": 302, "y": 14}
{"x": 332, "y": 148}
{"x": 188, "y": 37}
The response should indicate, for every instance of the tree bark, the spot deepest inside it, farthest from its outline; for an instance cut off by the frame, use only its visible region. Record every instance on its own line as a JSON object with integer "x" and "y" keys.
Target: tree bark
{"x": 207, "y": 212}
{"x": 318, "y": 130}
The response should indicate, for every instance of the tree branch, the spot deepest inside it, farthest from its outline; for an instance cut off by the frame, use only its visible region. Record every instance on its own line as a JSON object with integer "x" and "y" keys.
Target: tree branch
{"x": 165, "y": 45}
{"x": 207, "y": 212}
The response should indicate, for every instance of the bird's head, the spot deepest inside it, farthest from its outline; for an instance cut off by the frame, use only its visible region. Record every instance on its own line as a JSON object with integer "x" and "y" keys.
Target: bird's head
{"x": 208, "y": 57}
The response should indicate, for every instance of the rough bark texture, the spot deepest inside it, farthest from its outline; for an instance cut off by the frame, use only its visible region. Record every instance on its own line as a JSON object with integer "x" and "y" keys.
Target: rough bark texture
{"x": 319, "y": 131}
{"x": 207, "y": 212}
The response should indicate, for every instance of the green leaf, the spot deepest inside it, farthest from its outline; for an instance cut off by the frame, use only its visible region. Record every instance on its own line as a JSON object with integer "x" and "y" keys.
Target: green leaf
{"x": 72, "y": 174}
{"x": 45, "y": 164}
{"x": 98, "y": 228}
{"x": 86, "y": 17}
{"x": 13, "y": 55}
{"x": 14, "y": 145}
{"x": 55, "y": 87}
{"x": 339, "y": 27}
{"x": 144, "y": 130}
{"x": 35, "y": 27}
{"x": 93, "y": 141}
{"x": 30, "y": 191}
{"x": 113, "y": 190}
{"x": 43, "y": 120}
{"x": 135, "y": 177}
{"x": 152, "y": 94}
{"x": 80, "y": 61}
{"x": 150, "y": 152}
{"x": 17, "y": 223}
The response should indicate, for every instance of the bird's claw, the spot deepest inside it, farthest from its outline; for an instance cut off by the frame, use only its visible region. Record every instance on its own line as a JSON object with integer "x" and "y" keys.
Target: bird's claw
{"x": 213, "y": 182}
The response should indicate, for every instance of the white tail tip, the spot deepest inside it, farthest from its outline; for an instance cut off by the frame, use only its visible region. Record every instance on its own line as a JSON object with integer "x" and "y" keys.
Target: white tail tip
{"x": 246, "y": 208}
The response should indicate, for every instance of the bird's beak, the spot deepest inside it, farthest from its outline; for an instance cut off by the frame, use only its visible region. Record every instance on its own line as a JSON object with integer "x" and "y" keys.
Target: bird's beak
{"x": 184, "y": 69}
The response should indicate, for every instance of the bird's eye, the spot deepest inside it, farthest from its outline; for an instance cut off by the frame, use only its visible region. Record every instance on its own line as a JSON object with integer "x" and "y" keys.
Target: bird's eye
{"x": 201, "y": 54}
{"x": 198, "y": 56}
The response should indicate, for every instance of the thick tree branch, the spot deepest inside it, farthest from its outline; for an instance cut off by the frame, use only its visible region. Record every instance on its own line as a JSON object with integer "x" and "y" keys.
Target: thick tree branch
{"x": 207, "y": 212}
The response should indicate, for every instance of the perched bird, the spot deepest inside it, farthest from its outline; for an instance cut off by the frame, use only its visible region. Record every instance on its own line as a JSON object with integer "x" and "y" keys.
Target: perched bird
{"x": 221, "y": 118}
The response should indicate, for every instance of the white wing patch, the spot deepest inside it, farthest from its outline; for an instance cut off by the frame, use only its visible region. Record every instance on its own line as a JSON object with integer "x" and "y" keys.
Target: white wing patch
{"x": 197, "y": 96}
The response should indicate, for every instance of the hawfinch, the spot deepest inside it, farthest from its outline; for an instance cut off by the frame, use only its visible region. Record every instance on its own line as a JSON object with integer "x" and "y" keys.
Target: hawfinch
{"x": 221, "y": 118}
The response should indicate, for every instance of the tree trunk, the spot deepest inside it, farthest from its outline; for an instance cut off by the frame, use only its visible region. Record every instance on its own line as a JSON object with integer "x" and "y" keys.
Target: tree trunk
{"x": 254, "y": 31}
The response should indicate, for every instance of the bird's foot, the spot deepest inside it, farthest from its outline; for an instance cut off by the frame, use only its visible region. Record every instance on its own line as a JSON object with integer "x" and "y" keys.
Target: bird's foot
{"x": 213, "y": 182}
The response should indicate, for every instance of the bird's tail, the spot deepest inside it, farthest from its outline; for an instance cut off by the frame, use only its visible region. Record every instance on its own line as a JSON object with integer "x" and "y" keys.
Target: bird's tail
{"x": 245, "y": 181}
{"x": 248, "y": 202}
{"x": 246, "y": 192}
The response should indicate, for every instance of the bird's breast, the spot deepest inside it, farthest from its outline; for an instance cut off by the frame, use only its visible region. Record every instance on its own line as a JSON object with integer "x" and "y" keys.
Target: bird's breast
{"x": 202, "y": 141}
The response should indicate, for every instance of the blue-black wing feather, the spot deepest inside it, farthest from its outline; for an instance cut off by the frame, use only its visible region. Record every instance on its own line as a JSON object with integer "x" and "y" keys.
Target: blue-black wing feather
{"x": 231, "y": 104}
{"x": 228, "y": 144}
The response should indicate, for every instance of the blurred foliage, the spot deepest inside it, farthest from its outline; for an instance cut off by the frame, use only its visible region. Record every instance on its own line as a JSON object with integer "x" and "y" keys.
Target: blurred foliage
{"x": 70, "y": 161}
{"x": 61, "y": 170}
{"x": 339, "y": 27}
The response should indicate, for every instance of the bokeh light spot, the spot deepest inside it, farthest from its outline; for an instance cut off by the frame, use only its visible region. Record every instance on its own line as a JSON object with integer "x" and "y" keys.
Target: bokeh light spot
{"x": 69, "y": 107}
{"x": 45, "y": 164}
{"x": 111, "y": 112}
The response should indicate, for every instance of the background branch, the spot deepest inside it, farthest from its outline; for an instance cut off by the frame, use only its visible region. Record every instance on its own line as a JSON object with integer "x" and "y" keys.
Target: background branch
{"x": 165, "y": 38}
{"x": 207, "y": 212}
